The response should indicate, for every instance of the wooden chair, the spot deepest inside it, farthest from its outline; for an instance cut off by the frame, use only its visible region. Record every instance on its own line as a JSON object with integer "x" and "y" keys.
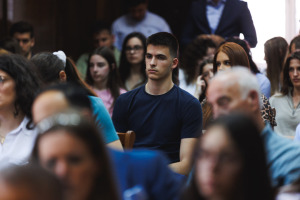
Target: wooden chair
{"x": 127, "y": 139}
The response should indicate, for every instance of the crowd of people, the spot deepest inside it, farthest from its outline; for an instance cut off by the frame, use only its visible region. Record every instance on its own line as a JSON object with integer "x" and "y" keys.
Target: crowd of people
{"x": 208, "y": 123}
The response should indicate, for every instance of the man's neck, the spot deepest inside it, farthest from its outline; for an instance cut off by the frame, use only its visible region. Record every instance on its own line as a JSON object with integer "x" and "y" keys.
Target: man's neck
{"x": 155, "y": 87}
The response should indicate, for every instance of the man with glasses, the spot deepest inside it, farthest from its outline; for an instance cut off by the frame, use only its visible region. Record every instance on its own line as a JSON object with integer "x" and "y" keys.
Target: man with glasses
{"x": 163, "y": 116}
{"x": 23, "y": 33}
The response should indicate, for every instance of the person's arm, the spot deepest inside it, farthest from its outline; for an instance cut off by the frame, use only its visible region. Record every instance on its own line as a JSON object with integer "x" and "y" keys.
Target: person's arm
{"x": 115, "y": 145}
{"x": 104, "y": 123}
{"x": 247, "y": 26}
{"x": 187, "y": 146}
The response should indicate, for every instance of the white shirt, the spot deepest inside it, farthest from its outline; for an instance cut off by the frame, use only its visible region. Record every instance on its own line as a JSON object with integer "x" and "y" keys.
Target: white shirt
{"x": 18, "y": 145}
{"x": 125, "y": 25}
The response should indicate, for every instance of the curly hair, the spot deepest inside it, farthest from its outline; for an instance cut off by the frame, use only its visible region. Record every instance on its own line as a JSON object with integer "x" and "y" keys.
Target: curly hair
{"x": 194, "y": 52}
{"x": 26, "y": 83}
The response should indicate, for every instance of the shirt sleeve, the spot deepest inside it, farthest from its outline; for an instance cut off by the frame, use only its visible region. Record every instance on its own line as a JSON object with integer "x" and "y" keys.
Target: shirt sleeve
{"x": 247, "y": 26}
{"x": 119, "y": 116}
{"x": 103, "y": 120}
{"x": 192, "y": 119}
{"x": 297, "y": 134}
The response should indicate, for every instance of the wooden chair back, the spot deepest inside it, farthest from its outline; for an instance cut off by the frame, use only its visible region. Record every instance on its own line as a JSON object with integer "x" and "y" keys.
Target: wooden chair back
{"x": 127, "y": 139}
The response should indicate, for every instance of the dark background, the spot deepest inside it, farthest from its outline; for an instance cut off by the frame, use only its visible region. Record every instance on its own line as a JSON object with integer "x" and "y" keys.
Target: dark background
{"x": 65, "y": 24}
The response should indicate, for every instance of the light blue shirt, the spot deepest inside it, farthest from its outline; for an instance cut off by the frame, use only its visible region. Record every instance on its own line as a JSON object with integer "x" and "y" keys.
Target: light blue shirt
{"x": 264, "y": 84}
{"x": 214, "y": 12}
{"x": 103, "y": 120}
{"x": 283, "y": 157}
{"x": 125, "y": 25}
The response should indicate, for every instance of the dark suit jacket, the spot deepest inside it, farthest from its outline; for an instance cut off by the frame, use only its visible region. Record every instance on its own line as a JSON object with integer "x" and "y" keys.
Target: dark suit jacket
{"x": 235, "y": 19}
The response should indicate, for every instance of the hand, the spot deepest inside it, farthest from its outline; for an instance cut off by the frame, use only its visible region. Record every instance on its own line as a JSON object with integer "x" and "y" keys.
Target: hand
{"x": 200, "y": 86}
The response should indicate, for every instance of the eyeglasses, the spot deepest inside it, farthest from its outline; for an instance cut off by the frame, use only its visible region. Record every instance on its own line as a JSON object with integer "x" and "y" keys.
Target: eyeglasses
{"x": 135, "y": 48}
{"x": 24, "y": 41}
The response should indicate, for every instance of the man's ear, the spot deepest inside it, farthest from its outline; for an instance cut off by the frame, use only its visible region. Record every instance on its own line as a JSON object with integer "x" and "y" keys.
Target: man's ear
{"x": 32, "y": 42}
{"x": 62, "y": 76}
{"x": 254, "y": 99}
{"x": 175, "y": 63}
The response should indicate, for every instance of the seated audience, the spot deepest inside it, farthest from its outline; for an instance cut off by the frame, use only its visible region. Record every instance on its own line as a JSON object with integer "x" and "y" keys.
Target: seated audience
{"x": 57, "y": 68}
{"x": 287, "y": 103}
{"x": 132, "y": 63}
{"x": 224, "y": 162}
{"x": 85, "y": 171}
{"x": 103, "y": 76}
{"x": 193, "y": 55}
{"x": 163, "y": 116}
{"x": 29, "y": 182}
{"x": 264, "y": 83}
{"x": 230, "y": 55}
{"x": 102, "y": 37}
{"x": 237, "y": 89}
{"x": 18, "y": 85}
{"x": 11, "y": 45}
{"x": 137, "y": 19}
{"x": 275, "y": 54}
{"x": 146, "y": 170}
{"x": 23, "y": 33}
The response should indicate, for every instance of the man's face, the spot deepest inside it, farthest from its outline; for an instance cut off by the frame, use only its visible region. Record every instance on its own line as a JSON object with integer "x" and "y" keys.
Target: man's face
{"x": 25, "y": 42}
{"x": 103, "y": 39}
{"x": 138, "y": 12}
{"x": 225, "y": 98}
{"x": 159, "y": 63}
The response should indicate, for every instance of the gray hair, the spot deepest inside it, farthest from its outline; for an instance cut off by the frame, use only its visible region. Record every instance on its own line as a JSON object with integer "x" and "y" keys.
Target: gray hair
{"x": 242, "y": 76}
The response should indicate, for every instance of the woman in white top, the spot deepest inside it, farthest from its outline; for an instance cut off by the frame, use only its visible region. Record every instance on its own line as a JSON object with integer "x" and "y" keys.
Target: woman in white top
{"x": 17, "y": 89}
{"x": 287, "y": 103}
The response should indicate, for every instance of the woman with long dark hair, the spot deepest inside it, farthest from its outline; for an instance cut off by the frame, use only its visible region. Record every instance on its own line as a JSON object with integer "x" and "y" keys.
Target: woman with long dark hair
{"x": 18, "y": 85}
{"x": 56, "y": 68}
{"x": 132, "y": 62}
{"x": 275, "y": 54}
{"x": 103, "y": 76}
{"x": 287, "y": 103}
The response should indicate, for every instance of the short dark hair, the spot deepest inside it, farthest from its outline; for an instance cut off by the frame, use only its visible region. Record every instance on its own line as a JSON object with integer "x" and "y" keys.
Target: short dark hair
{"x": 170, "y": 41}
{"x": 100, "y": 26}
{"x": 296, "y": 41}
{"x": 133, "y": 3}
{"x": 164, "y": 39}
{"x": 21, "y": 27}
